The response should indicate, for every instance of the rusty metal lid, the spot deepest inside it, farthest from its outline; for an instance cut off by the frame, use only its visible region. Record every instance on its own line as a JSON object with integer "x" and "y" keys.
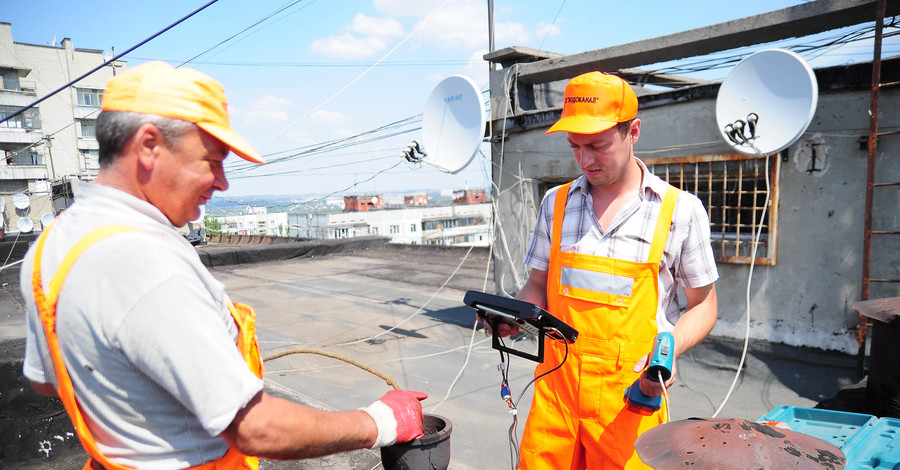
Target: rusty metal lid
{"x": 734, "y": 444}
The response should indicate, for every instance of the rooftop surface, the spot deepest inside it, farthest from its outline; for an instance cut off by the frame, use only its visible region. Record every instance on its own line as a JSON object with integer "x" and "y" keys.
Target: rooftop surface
{"x": 398, "y": 310}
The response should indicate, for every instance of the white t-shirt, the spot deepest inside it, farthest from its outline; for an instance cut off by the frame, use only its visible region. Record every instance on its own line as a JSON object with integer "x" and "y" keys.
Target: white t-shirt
{"x": 145, "y": 333}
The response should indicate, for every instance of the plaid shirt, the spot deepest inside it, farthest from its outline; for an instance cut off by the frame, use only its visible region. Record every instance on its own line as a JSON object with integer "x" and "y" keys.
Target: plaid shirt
{"x": 688, "y": 256}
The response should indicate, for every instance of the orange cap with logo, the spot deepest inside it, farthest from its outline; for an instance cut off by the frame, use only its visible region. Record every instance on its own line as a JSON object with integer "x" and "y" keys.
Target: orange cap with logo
{"x": 594, "y": 102}
{"x": 186, "y": 94}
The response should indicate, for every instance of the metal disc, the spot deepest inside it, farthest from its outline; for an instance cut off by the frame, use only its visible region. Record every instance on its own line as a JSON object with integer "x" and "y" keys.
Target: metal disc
{"x": 734, "y": 444}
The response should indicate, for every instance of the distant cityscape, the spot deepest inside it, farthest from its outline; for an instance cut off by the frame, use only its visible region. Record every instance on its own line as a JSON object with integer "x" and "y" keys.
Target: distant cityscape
{"x": 436, "y": 217}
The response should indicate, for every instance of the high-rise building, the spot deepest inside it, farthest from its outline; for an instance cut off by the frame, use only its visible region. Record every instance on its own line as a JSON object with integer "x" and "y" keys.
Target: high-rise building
{"x": 46, "y": 148}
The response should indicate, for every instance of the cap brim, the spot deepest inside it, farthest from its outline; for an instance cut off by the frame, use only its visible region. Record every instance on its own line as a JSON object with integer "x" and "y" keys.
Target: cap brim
{"x": 234, "y": 141}
{"x": 581, "y": 125}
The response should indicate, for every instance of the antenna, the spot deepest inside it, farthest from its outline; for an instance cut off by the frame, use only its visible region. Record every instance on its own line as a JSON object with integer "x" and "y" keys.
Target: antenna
{"x": 21, "y": 201}
{"x": 47, "y": 219}
{"x": 766, "y": 102}
{"x": 25, "y": 225}
{"x": 452, "y": 125}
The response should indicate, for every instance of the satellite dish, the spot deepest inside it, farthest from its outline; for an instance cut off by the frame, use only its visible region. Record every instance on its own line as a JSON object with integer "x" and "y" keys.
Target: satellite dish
{"x": 453, "y": 124}
{"x": 25, "y": 225}
{"x": 766, "y": 102}
{"x": 47, "y": 219}
{"x": 21, "y": 201}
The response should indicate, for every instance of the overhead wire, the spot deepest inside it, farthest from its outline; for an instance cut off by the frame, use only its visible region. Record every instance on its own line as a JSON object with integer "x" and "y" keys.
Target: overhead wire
{"x": 335, "y": 95}
{"x": 228, "y": 39}
{"x": 105, "y": 63}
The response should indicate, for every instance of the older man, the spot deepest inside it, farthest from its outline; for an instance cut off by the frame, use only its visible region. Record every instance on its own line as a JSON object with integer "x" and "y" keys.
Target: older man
{"x": 157, "y": 368}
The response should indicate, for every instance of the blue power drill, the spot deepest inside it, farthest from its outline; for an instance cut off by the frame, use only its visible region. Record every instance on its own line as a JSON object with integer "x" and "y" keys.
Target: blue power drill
{"x": 661, "y": 362}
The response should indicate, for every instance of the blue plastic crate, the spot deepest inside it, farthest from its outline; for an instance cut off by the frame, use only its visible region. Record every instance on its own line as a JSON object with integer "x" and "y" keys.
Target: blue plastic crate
{"x": 877, "y": 447}
{"x": 835, "y": 427}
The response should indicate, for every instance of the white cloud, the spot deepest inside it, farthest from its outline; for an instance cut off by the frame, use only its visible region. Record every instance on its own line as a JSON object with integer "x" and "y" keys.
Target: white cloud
{"x": 269, "y": 109}
{"x": 364, "y": 37}
{"x": 415, "y": 8}
{"x": 547, "y": 30}
{"x": 459, "y": 24}
{"x": 477, "y": 68}
{"x": 510, "y": 34}
{"x": 328, "y": 117}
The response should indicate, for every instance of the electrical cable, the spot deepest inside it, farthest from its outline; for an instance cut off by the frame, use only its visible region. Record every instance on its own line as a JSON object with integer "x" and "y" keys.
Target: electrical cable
{"x": 11, "y": 249}
{"x": 553, "y": 23}
{"x": 104, "y": 64}
{"x": 385, "y": 377}
{"x": 737, "y": 373}
{"x": 270, "y": 15}
{"x": 514, "y": 404}
{"x": 358, "y": 77}
{"x": 665, "y": 393}
{"x": 463, "y": 260}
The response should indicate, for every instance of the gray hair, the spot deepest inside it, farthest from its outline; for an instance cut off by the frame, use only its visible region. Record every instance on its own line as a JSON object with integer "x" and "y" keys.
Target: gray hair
{"x": 114, "y": 128}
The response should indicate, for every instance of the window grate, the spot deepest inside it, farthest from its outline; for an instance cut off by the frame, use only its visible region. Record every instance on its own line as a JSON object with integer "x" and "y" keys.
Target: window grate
{"x": 733, "y": 190}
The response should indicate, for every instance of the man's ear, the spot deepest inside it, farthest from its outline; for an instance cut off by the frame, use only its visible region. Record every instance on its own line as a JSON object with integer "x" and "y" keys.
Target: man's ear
{"x": 634, "y": 132}
{"x": 148, "y": 142}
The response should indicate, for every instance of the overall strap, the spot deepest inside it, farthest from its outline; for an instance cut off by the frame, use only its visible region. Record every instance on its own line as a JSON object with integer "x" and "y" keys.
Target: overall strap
{"x": 46, "y": 303}
{"x": 559, "y": 212}
{"x": 663, "y": 222}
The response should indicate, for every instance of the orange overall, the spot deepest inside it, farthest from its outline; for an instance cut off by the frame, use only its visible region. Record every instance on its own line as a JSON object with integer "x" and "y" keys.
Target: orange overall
{"x": 243, "y": 315}
{"x": 578, "y": 418}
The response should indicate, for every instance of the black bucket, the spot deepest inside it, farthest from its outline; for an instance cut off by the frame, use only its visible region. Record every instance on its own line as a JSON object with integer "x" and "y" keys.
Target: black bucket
{"x": 431, "y": 452}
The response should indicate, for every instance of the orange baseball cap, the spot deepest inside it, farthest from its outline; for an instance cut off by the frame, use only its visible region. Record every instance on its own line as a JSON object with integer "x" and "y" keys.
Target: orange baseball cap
{"x": 594, "y": 102}
{"x": 186, "y": 94}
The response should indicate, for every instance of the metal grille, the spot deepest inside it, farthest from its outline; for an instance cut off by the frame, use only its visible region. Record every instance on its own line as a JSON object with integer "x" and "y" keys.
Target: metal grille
{"x": 733, "y": 190}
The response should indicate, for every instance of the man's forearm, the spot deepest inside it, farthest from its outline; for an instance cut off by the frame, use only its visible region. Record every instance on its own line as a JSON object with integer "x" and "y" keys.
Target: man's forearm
{"x": 281, "y": 429}
{"x": 535, "y": 289}
{"x": 698, "y": 320}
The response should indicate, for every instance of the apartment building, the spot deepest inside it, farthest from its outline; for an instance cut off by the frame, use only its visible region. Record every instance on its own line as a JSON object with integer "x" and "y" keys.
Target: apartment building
{"x": 458, "y": 224}
{"x": 258, "y": 222}
{"x": 47, "y": 148}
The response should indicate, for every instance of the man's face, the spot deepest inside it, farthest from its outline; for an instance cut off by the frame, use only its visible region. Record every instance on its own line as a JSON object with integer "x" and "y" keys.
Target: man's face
{"x": 604, "y": 157}
{"x": 187, "y": 174}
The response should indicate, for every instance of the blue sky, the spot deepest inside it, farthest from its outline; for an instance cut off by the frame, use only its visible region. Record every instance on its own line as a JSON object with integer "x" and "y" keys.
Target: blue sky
{"x": 304, "y": 75}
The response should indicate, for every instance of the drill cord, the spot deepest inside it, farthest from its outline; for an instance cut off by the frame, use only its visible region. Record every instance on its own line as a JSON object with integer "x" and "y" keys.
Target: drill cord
{"x": 665, "y": 394}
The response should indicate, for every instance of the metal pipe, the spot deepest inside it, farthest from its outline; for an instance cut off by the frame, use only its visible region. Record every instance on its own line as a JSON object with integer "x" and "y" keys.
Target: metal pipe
{"x": 870, "y": 175}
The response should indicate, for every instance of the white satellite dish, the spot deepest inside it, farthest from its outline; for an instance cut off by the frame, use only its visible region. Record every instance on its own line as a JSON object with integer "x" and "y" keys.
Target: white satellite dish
{"x": 47, "y": 219}
{"x": 453, "y": 124}
{"x": 25, "y": 225}
{"x": 21, "y": 201}
{"x": 766, "y": 102}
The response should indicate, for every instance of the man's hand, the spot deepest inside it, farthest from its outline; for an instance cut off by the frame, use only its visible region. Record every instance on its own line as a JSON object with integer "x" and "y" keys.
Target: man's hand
{"x": 398, "y": 417}
{"x": 652, "y": 388}
{"x": 503, "y": 329}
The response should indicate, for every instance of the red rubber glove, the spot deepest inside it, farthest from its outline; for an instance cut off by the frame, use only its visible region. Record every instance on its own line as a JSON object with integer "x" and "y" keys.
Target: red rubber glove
{"x": 398, "y": 417}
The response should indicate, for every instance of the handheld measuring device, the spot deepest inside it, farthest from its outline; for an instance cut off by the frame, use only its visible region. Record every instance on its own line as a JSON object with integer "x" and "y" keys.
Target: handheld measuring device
{"x": 526, "y": 316}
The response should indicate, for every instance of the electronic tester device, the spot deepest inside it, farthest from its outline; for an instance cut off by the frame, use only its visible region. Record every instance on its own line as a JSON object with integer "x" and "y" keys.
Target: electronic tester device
{"x": 527, "y": 316}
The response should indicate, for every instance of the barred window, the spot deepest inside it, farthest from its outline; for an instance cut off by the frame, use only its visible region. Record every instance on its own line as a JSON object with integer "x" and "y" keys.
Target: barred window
{"x": 733, "y": 190}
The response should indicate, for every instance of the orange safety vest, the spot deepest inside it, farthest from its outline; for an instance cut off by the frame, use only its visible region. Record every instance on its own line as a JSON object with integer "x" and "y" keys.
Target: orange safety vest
{"x": 243, "y": 315}
{"x": 578, "y": 417}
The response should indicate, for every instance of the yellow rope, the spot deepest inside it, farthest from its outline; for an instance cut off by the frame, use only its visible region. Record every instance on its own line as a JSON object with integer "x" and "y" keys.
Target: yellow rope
{"x": 366, "y": 368}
